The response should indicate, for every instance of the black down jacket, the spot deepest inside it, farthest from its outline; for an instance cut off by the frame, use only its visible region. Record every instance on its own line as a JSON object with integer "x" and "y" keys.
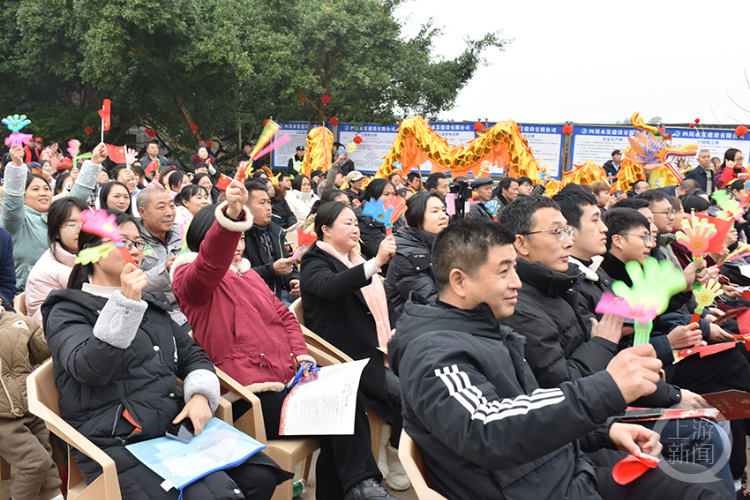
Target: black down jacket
{"x": 410, "y": 270}
{"x": 99, "y": 382}
{"x": 559, "y": 347}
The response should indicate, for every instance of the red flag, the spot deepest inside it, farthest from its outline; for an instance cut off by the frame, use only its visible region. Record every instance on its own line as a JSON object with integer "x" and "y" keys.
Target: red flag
{"x": 152, "y": 167}
{"x": 716, "y": 243}
{"x": 116, "y": 153}
{"x": 104, "y": 113}
{"x": 223, "y": 182}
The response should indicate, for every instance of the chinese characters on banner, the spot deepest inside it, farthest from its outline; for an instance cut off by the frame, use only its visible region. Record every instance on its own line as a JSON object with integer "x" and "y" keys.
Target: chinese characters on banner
{"x": 298, "y": 133}
{"x": 596, "y": 143}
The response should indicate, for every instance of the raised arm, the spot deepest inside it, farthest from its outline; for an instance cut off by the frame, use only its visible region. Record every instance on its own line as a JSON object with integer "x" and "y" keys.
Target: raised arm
{"x": 194, "y": 283}
{"x": 86, "y": 181}
{"x": 15, "y": 188}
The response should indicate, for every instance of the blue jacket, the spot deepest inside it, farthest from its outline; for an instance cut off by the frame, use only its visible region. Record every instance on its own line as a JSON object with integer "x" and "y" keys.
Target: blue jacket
{"x": 7, "y": 268}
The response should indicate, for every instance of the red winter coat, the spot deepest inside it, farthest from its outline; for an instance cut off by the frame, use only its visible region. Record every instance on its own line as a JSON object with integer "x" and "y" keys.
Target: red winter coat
{"x": 726, "y": 176}
{"x": 243, "y": 327}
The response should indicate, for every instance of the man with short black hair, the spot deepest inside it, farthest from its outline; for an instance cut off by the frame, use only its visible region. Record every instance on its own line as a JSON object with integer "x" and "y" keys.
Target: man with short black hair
{"x": 507, "y": 190}
{"x": 438, "y": 183}
{"x": 152, "y": 160}
{"x": 611, "y": 167}
{"x": 559, "y": 344}
{"x": 471, "y": 404}
{"x": 587, "y": 253}
{"x": 264, "y": 244}
{"x": 414, "y": 182}
{"x": 525, "y": 186}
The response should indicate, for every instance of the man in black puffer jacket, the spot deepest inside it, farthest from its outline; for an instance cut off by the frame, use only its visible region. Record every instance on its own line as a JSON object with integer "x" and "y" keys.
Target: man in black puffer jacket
{"x": 559, "y": 346}
{"x": 471, "y": 403}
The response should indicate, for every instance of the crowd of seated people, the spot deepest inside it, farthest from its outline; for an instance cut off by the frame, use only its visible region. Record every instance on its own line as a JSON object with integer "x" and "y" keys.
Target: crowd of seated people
{"x": 482, "y": 337}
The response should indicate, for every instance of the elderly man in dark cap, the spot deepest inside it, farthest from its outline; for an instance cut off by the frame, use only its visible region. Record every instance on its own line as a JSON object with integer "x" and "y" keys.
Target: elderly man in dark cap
{"x": 483, "y": 188}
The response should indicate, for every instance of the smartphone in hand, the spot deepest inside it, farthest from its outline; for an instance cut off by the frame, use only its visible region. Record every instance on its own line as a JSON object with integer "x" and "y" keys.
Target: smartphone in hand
{"x": 182, "y": 431}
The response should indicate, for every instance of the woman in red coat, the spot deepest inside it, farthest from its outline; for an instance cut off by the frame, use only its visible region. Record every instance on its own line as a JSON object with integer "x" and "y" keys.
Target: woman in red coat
{"x": 248, "y": 333}
{"x": 731, "y": 169}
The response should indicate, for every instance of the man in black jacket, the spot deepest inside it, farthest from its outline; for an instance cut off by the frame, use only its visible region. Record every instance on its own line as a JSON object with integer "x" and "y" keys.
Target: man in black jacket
{"x": 471, "y": 403}
{"x": 589, "y": 245}
{"x": 559, "y": 344}
{"x": 483, "y": 188}
{"x": 612, "y": 167}
{"x": 264, "y": 246}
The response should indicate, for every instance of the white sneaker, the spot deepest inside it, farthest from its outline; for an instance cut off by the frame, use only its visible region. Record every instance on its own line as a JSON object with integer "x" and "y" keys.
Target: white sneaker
{"x": 397, "y": 478}
{"x": 385, "y": 436}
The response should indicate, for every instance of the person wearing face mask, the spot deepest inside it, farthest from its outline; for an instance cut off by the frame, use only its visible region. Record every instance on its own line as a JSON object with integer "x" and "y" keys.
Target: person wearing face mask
{"x": 52, "y": 270}
{"x": 27, "y": 197}
{"x": 411, "y": 268}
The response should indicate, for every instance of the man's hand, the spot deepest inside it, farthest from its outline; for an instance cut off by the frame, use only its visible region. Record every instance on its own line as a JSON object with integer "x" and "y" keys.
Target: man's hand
{"x": 386, "y": 250}
{"x": 716, "y": 334}
{"x": 685, "y": 336}
{"x": 731, "y": 237}
{"x": 236, "y": 198}
{"x": 690, "y": 400}
{"x": 197, "y": 410}
{"x": 635, "y": 371}
{"x": 634, "y": 439}
{"x": 610, "y": 328}
{"x": 169, "y": 263}
{"x": 731, "y": 291}
{"x": 294, "y": 291}
{"x": 339, "y": 159}
{"x": 691, "y": 272}
{"x": 132, "y": 282}
{"x": 99, "y": 154}
{"x": 16, "y": 155}
{"x": 282, "y": 267}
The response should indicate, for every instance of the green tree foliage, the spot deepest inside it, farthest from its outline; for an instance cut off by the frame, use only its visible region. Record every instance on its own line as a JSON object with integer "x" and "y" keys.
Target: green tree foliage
{"x": 220, "y": 64}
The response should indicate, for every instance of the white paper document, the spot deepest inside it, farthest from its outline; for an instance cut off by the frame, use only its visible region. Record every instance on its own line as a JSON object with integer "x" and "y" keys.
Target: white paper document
{"x": 324, "y": 406}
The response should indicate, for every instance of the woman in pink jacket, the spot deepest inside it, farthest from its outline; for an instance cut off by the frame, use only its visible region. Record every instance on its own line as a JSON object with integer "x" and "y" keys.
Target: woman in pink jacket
{"x": 249, "y": 334}
{"x": 52, "y": 270}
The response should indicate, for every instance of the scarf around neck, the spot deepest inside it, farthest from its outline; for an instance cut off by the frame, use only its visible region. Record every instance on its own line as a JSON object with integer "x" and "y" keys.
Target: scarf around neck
{"x": 374, "y": 294}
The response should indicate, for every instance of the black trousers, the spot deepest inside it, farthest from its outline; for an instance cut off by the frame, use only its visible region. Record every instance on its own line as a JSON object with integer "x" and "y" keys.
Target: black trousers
{"x": 393, "y": 391}
{"x": 719, "y": 372}
{"x": 657, "y": 484}
{"x": 344, "y": 461}
{"x": 249, "y": 480}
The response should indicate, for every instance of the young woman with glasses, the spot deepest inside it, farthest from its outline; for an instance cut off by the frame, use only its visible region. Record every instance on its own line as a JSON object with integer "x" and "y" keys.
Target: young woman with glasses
{"x": 52, "y": 270}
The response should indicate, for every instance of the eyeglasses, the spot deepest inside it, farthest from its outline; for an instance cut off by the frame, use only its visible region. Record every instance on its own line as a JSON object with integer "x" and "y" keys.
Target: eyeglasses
{"x": 139, "y": 245}
{"x": 647, "y": 238}
{"x": 560, "y": 232}
{"x": 669, "y": 214}
{"x": 73, "y": 227}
